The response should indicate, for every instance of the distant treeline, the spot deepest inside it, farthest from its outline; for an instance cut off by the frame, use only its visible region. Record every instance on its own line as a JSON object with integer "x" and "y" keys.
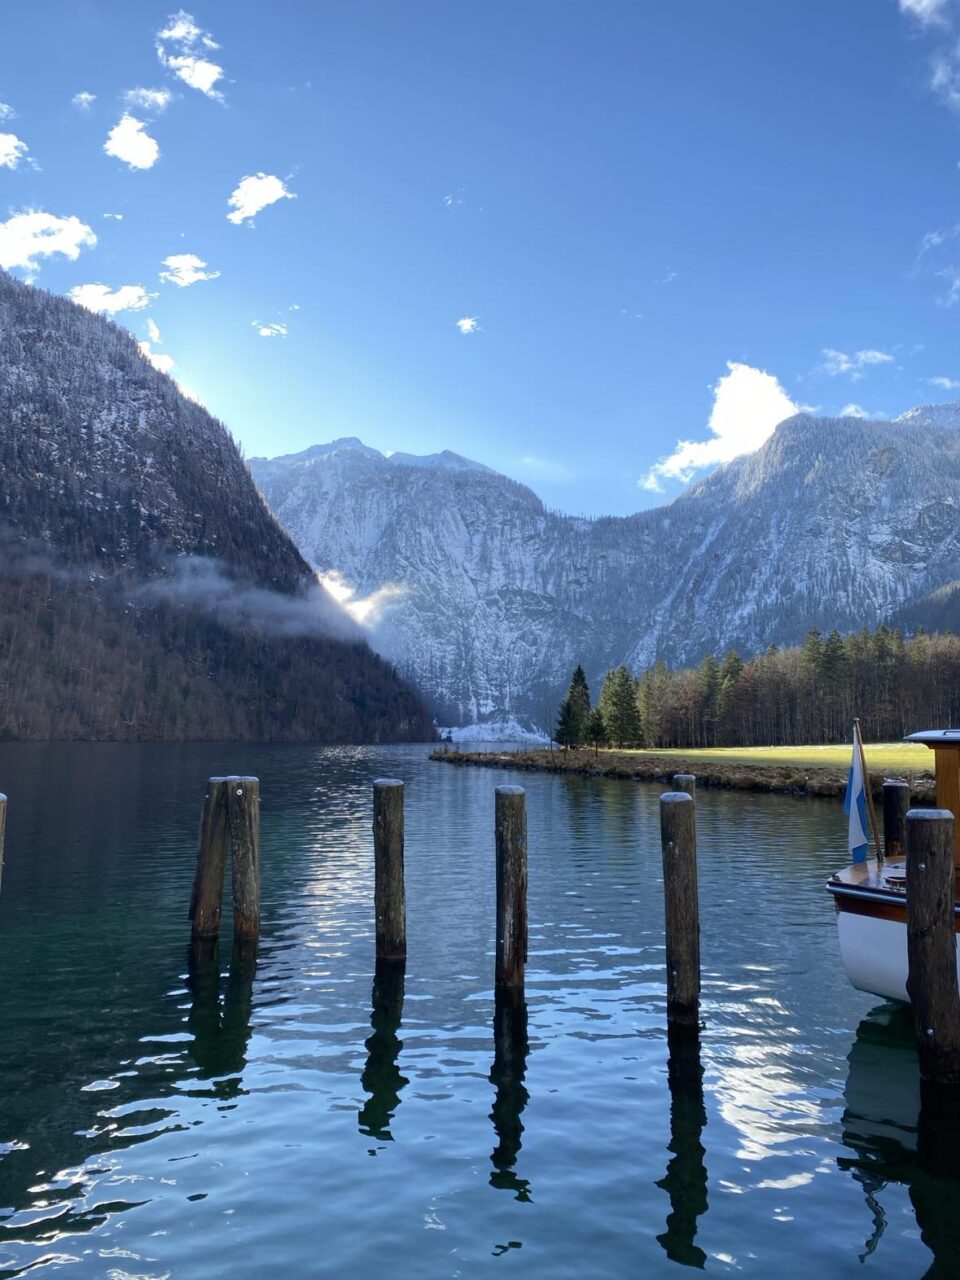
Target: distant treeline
{"x": 807, "y": 694}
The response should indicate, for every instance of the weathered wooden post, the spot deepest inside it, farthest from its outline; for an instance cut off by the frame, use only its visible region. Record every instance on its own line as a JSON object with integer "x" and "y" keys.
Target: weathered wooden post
{"x": 932, "y": 943}
{"x": 243, "y": 817}
{"x": 896, "y": 802}
{"x": 389, "y": 898}
{"x": 511, "y": 835}
{"x": 678, "y": 838}
{"x": 207, "y": 898}
{"x": 685, "y": 782}
{"x": 3, "y": 831}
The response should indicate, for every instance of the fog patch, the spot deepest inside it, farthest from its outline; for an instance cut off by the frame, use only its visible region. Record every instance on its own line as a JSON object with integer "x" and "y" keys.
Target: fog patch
{"x": 366, "y": 611}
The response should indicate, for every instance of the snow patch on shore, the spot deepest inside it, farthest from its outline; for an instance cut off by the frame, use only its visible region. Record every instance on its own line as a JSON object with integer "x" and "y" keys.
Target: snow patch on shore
{"x": 493, "y": 731}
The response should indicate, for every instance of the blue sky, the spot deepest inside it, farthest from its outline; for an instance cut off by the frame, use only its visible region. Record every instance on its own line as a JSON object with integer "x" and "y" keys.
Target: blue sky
{"x": 630, "y": 205}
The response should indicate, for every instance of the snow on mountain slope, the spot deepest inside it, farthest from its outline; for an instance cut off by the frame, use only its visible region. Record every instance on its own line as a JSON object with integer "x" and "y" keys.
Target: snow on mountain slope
{"x": 492, "y": 599}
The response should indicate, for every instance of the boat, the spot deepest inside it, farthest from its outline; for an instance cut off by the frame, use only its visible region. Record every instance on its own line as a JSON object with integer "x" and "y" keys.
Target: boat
{"x": 871, "y": 896}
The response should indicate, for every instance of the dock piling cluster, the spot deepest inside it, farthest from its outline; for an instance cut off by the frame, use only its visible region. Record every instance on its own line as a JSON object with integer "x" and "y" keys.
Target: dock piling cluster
{"x": 230, "y": 820}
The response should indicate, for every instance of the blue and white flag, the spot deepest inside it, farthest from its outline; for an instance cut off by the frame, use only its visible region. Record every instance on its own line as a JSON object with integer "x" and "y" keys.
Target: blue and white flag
{"x": 855, "y": 805}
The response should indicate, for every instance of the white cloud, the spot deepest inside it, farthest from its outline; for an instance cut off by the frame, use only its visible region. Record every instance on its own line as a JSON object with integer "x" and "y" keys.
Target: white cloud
{"x": 117, "y": 217}
{"x": 748, "y": 405}
{"x": 184, "y": 269}
{"x": 153, "y": 333}
{"x": 12, "y": 150}
{"x": 838, "y": 362}
{"x": 945, "y": 384}
{"x": 156, "y": 100}
{"x": 129, "y": 141}
{"x": 182, "y": 47}
{"x": 858, "y": 411}
{"x": 254, "y": 193}
{"x": 84, "y": 100}
{"x": 25, "y": 237}
{"x": 925, "y": 10}
{"x": 468, "y": 324}
{"x": 157, "y": 358}
{"x": 6, "y": 111}
{"x": 100, "y": 297}
{"x": 270, "y": 330}
{"x": 365, "y": 610}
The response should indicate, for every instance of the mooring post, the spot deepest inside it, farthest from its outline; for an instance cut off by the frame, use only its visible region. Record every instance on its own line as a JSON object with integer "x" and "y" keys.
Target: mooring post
{"x": 932, "y": 944}
{"x": 206, "y": 902}
{"x": 896, "y": 802}
{"x": 511, "y": 834}
{"x": 243, "y": 817}
{"x": 685, "y": 782}
{"x": 678, "y": 838}
{"x": 3, "y": 830}
{"x": 389, "y": 896}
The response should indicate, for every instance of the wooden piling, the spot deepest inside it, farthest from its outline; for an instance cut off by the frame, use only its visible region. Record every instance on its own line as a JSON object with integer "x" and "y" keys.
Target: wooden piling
{"x": 389, "y": 895}
{"x": 511, "y": 837}
{"x": 206, "y": 901}
{"x": 896, "y": 802}
{"x": 932, "y": 943}
{"x": 685, "y": 782}
{"x": 243, "y": 817}
{"x": 3, "y": 831}
{"x": 678, "y": 838}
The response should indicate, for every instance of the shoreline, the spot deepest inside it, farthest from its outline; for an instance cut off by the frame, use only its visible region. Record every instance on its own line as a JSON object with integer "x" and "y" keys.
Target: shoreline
{"x": 780, "y": 779}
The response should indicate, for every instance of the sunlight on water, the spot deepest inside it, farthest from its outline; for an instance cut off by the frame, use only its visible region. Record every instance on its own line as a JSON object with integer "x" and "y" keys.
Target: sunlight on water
{"x": 304, "y": 1114}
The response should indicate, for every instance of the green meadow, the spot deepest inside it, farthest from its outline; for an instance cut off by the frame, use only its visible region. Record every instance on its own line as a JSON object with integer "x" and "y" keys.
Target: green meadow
{"x": 889, "y": 757}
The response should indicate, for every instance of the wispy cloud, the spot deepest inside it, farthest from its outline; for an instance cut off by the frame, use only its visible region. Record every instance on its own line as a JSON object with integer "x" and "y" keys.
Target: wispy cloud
{"x": 129, "y": 141}
{"x": 838, "y": 362}
{"x": 945, "y": 384}
{"x": 926, "y": 11}
{"x": 254, "y": 193}
{"x": 6, "y": 111}
{"x": 101, "y": 298}
{"x": 153, "y": 332}
{"x": 274, "y": 330}
{"x": 184, "y": 269}
{"x": 83, "y": 100}
{"x": 368, "y": 610}
{"x": 748, "y": 405}
{"x": 116, "y": 217}
{"x": 160, "y": 361}
{"x": 468, "y": 324}
{"x": 27, "y": 237}
{"x": 858, "y": 411}
{"x": 13, "y": 150}
{"x": 155, "y": 100}
{"x": 183, "y": 48}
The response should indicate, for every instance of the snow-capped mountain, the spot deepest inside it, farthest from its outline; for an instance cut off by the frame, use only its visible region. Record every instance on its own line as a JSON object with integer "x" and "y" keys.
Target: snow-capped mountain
{"x": 487, "y": 600}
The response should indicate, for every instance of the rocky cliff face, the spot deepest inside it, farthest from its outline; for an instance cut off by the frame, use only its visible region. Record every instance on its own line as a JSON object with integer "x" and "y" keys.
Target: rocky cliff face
{"x": 145, "y": 588}
{"x": 491, "y": 599}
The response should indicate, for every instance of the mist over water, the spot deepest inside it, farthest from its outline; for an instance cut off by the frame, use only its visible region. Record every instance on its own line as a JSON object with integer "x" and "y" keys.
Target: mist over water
{"x": 308, "y": 1114}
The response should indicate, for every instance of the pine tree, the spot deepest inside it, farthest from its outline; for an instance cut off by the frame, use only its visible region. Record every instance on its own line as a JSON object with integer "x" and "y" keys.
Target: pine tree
{"x": 618, "y": 704}
{"x": 596, "y": 729}
{"x": 574, "y": 711}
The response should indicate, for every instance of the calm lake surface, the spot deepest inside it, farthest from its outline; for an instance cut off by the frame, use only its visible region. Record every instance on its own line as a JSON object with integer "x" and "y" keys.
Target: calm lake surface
{"x": 296, "y": 1118}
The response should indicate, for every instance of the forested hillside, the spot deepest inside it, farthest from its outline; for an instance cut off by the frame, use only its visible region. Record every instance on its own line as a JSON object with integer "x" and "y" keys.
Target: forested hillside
{"x": 145, "y": 589}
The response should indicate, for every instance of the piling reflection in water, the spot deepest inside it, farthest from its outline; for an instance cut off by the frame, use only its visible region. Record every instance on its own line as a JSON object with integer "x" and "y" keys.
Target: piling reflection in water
{"x": 221, "y": 1033}
{"x": 510, "y": 1049}
{"x": 381, "y": 1077}
{"x": 685, "y": 1181}
{"x": 902, "y": 1133}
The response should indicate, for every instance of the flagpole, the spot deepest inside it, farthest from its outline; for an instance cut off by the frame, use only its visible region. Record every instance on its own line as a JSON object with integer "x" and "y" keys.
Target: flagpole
{"x": 866, "y": 786}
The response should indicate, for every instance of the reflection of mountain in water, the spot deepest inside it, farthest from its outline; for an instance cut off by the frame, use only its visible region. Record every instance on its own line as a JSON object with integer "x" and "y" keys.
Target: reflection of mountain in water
{"x": 899, "y": 1135}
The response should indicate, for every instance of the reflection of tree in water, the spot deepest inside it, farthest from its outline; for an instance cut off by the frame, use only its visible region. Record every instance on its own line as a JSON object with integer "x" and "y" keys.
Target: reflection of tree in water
{"x": 381, "y": 1076}
{"x": 686, "y": 1178}
{"x": 221, "y": 1033}
{"x": 510, "y": 1049}
{"x": 902, "y": 1134}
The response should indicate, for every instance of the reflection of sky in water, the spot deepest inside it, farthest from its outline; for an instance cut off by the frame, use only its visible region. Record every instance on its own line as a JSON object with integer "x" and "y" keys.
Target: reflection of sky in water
{"x": 304, "y": 1115}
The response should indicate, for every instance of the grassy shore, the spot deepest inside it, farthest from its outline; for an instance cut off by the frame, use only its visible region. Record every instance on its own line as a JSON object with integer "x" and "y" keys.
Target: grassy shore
{"x": 819, "y": 771}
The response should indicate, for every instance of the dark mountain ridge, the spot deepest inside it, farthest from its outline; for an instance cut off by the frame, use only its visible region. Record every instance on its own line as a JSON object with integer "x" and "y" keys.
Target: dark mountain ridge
{"x": 145, "y": 589}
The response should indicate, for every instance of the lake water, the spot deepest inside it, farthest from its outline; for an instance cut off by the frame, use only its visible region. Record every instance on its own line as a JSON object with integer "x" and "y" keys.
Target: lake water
{"x": 298, "y": 1119}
